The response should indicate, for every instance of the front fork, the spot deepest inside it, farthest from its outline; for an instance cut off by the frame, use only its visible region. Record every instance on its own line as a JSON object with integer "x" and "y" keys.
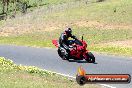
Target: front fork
{"x": 85, "y": 54}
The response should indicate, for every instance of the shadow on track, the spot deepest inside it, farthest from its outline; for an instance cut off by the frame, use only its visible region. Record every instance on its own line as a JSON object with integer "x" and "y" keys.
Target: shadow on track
{"x": 80, "y": 61}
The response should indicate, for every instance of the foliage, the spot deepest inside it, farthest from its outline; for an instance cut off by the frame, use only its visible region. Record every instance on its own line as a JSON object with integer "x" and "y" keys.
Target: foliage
{"x": 7, "y": 65}
{"x": 100, "y": 0}
{"x": 18, "y": 76}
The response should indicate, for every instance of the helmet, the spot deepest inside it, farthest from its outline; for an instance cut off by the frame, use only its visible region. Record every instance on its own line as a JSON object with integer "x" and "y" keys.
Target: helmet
{"x": 68, "y": 31}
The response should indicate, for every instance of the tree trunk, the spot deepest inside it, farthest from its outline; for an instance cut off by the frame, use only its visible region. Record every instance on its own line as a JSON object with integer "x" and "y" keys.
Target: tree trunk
{"x": 3, "y": 10}
{"x": 7, "y": 2}
{"x": 14, "y": 8}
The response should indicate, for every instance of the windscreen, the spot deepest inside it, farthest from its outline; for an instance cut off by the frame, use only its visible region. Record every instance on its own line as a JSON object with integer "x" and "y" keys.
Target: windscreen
{"x": 78, "y": 42}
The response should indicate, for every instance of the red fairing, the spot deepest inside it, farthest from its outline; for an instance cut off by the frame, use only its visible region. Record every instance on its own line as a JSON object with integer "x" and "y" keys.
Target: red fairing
{"x": 79, "y": 51}
{"x": 55, "y": 42}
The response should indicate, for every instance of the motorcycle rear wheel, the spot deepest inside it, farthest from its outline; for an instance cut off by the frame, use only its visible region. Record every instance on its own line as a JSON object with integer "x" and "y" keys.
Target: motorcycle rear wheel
{"x": 59, "y": 53}
{"x": 63, "y": 56}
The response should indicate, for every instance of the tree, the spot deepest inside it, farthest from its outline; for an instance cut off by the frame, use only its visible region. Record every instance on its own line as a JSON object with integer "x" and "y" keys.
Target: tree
{"x": 5, "y": 5}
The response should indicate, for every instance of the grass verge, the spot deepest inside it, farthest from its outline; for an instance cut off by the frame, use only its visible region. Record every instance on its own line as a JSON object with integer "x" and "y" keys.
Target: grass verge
{"x": 115, "y": 50}
{"x": 93, "y": 36}
{"x": 18, "y": 76}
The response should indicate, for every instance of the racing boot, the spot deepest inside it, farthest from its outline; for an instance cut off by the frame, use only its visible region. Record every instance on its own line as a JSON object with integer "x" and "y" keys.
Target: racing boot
{"x": 67, "y": 54}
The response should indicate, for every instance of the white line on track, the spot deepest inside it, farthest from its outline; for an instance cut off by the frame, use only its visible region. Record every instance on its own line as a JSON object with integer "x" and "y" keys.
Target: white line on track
{"x": 108, "y": 86}
{"x": 105, "y": 85}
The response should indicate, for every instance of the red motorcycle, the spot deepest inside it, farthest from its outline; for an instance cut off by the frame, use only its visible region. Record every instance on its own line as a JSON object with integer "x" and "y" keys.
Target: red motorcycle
{"x": 78, "y": 50}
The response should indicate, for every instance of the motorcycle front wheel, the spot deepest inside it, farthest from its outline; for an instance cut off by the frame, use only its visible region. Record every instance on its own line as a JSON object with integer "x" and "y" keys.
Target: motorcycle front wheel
{"x": 90, "y": 58}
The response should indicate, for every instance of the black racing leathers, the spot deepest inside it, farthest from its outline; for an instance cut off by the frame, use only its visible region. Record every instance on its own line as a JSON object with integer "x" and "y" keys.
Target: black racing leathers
{"x": 63, "y": 41}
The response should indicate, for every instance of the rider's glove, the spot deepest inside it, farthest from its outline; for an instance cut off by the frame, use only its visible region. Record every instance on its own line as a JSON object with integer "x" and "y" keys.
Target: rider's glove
{"x": 74, "y": 37}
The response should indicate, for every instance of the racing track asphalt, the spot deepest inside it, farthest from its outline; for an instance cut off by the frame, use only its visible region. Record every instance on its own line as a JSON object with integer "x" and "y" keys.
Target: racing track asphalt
{"x": 47, "y": 58}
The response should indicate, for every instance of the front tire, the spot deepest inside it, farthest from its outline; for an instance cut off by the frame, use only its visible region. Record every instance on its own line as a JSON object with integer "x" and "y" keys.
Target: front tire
{"x": 90, "y": 58}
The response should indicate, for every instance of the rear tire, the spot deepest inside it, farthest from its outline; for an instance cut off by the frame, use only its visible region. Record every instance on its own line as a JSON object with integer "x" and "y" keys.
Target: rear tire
{"x": 90, "y": 58}
{"x": 59, "y": 53}
{"x": 62, "y": 54}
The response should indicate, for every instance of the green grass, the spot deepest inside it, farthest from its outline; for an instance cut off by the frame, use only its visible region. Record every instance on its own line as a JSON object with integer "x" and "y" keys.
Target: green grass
{"x": 25, "y": 40}
{"x": 33, "y": 4}
{"x": 49, "y": 2}
{"x": 94, "y": 37}
{"x": 18, "y": 76}
{"x": 91, "y": 35}
{"x": 109, "y": 49}
{"x": 102, "y": 12}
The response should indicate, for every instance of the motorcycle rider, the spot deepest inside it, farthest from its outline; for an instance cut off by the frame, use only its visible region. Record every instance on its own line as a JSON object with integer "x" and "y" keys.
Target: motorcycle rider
{"x": 64, "y": 42}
